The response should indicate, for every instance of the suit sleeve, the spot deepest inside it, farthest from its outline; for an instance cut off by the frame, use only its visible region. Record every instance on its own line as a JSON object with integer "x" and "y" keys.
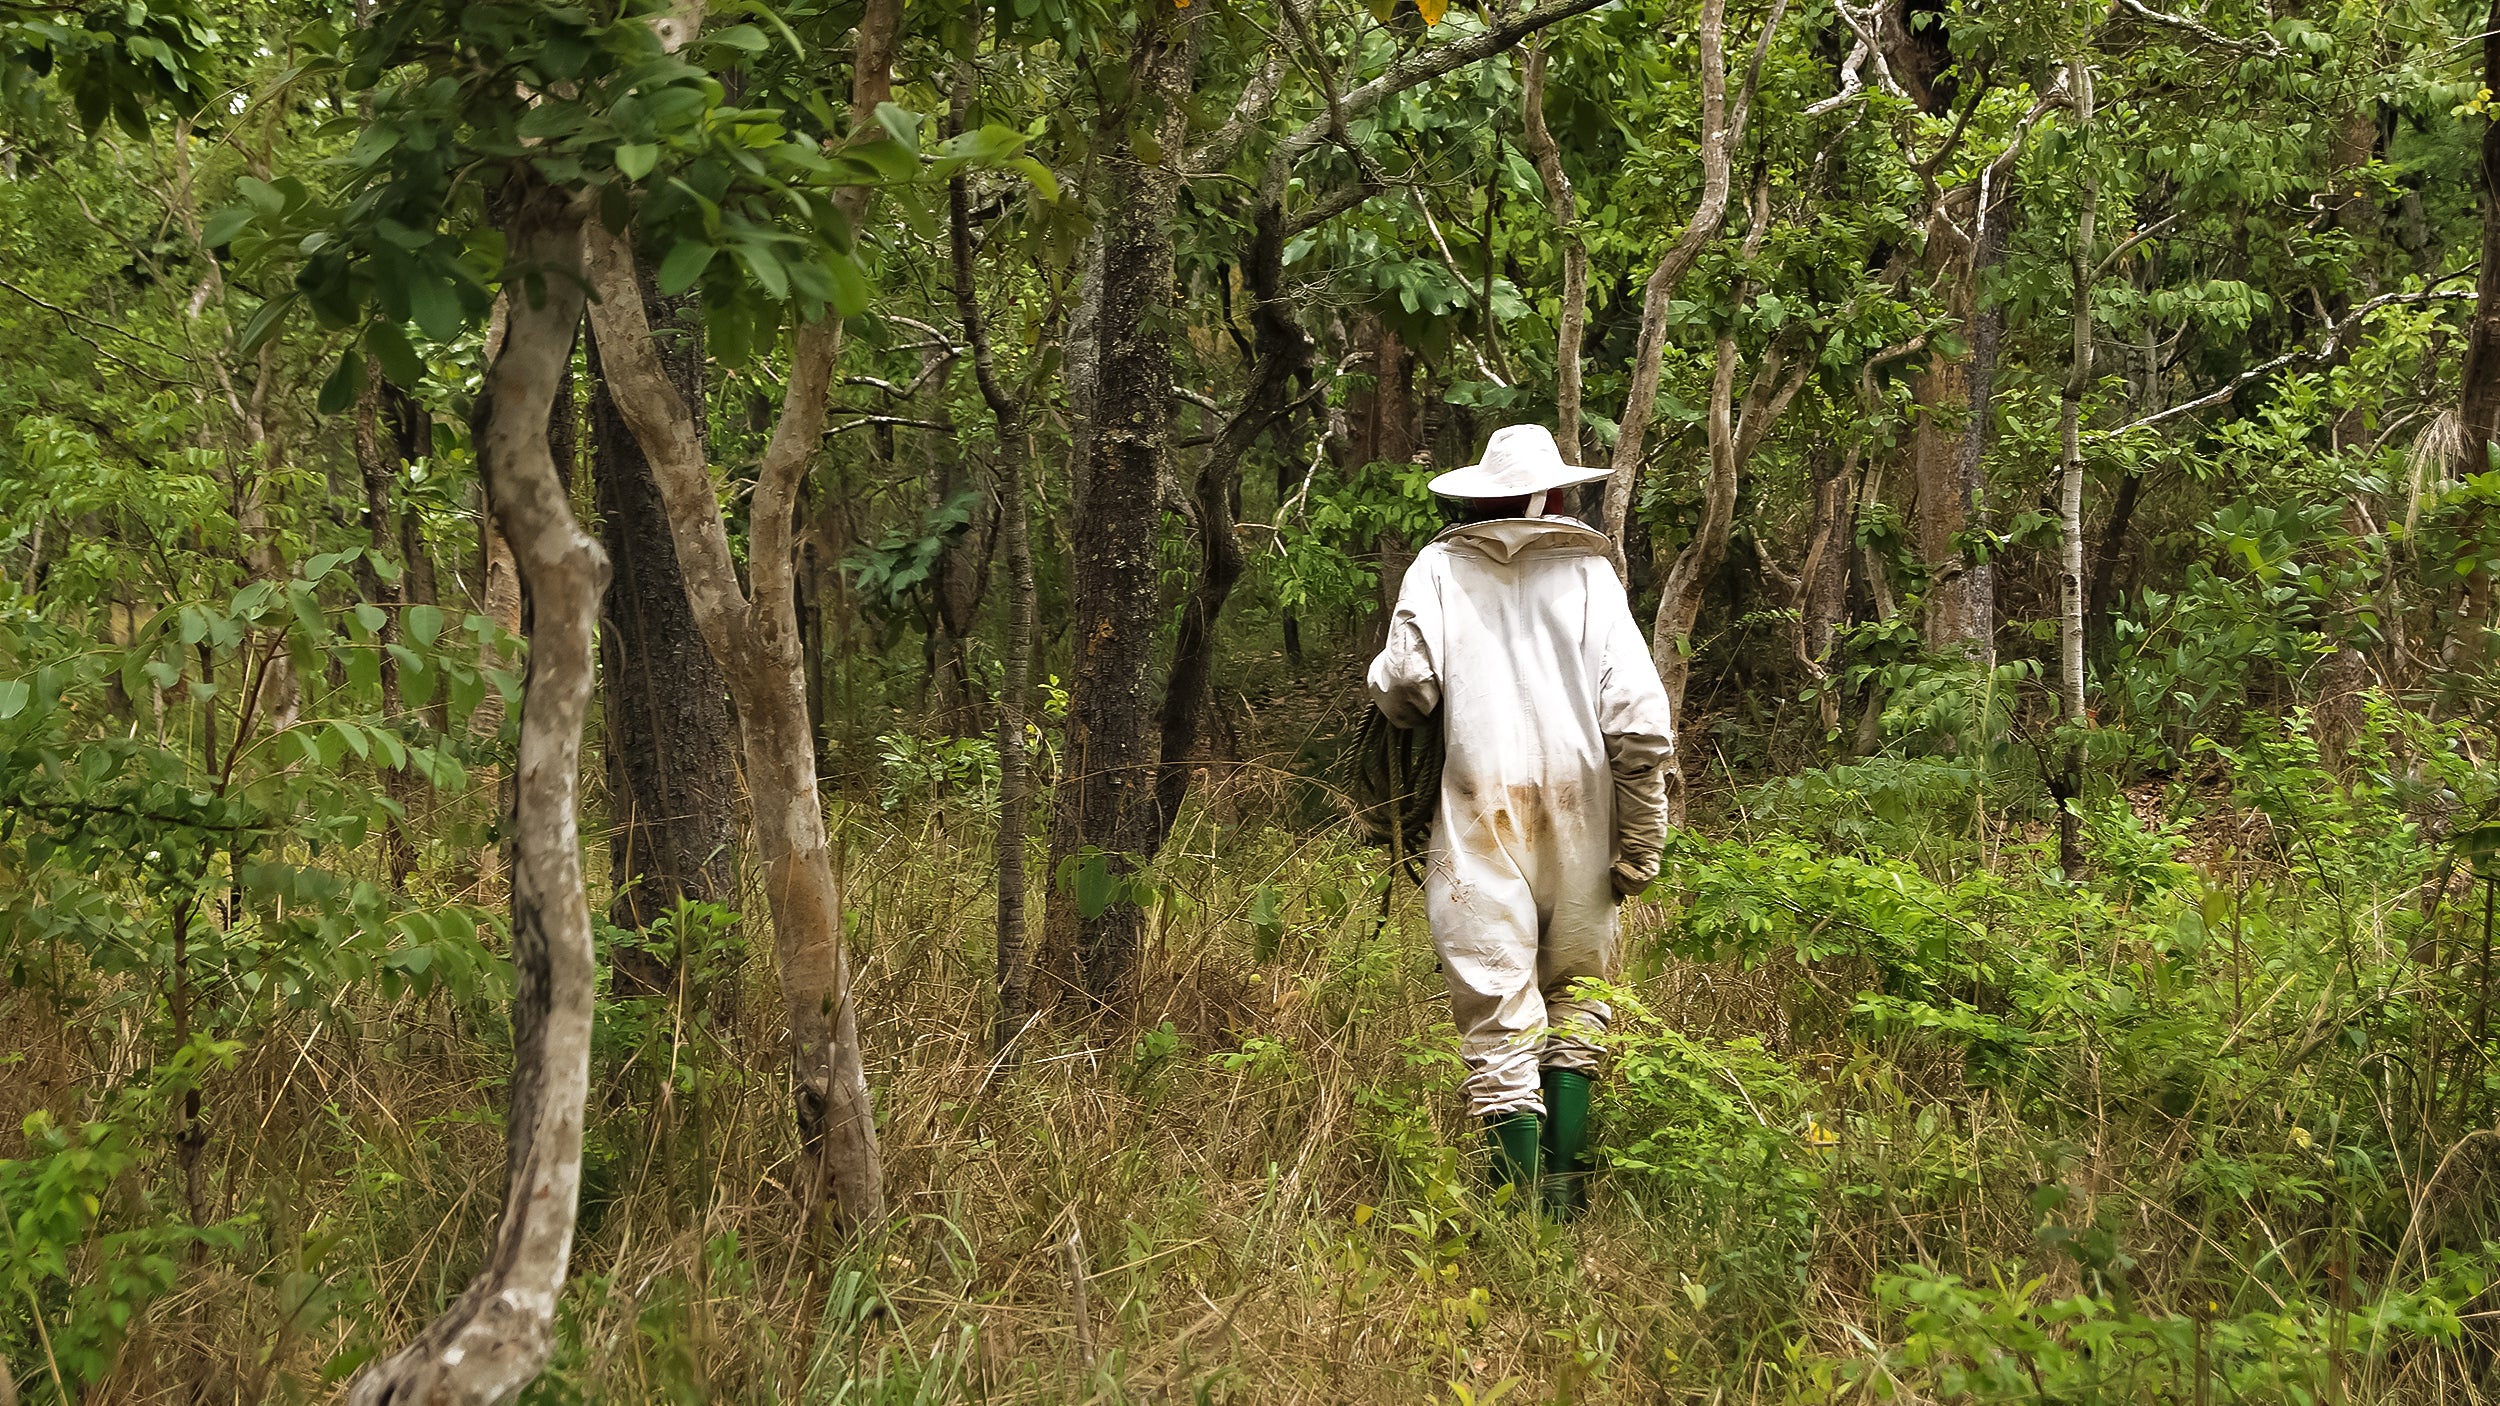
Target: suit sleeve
{"x": 1640, "y": 740}
{"x": 1405, "y": 680}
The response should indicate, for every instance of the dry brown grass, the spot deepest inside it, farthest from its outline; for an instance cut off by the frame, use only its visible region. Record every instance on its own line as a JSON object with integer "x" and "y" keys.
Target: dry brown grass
{"x": 1258, "y": 1229}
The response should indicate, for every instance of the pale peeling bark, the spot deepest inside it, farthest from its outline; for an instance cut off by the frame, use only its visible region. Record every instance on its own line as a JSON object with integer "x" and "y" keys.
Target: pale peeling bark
{"x": 2069, "y": 788}
{"x": 1722, "y": 131}
{"x": 494, "y": 1340}
{"x": 1733, "y": 438}
{"x": 754, "y": 633}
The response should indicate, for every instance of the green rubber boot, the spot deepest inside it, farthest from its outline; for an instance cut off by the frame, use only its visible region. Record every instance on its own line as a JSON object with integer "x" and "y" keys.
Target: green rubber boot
{"x": 1515, "y": 1137}
{"x": 1566, "y": 1143}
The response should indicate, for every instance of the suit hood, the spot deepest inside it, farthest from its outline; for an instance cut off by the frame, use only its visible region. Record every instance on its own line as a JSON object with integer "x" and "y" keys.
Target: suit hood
{"x": 1507, "y": 539}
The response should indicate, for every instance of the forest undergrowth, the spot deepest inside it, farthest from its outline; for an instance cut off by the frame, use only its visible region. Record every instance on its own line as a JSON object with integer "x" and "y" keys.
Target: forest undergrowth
{"x": 1897, "y": 1112}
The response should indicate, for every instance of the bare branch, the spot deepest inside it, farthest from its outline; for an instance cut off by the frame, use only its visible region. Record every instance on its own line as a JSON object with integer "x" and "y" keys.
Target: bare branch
{"x": 2201, "y": 32}
{"x": 2325, "y": 349}
{"x": 1424, "y": 65}
{"x": 2151, "y": 231}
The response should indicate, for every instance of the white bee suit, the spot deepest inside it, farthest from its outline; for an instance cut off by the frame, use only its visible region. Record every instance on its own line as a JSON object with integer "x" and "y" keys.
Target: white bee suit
{"x": 1557, "y": 738}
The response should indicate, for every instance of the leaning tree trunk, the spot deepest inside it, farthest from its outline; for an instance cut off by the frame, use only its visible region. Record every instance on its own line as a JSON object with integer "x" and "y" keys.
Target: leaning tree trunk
{"x": 1106, "y": 804}
{"x": 672, "y": 774}
{"x": 754, "y": 633}
{"x": 1722, "y": 132}
{"x": 1733, "y": 437}
{"x": 1014, "y": 968}
{"x": 1571, "y": 323}
{"x": 1732, "y": 442}
{"x": 1679, "y": 600}
{"x": 494, "y": 1340}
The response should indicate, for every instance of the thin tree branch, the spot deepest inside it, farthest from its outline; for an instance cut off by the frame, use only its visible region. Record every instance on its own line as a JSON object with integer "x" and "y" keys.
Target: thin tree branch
{"x": 2325, "y": 350}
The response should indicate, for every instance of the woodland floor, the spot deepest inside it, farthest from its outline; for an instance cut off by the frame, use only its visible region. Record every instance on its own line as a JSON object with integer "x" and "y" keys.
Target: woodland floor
{"x": 1267, "y": 1191}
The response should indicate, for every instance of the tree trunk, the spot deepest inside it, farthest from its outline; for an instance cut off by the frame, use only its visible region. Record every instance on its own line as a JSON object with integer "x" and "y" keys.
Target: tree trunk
{"x": 754, "y": 634}
{"x": 493, "y": 1341}
{"x": 1106, "y": 803}
{"x": 1948, "y": 467}
{"x": 497, "y": 594}
{"x": 672, "y": 774}
{"x": 1968, "y": 608}
{"x": 1013, "y": 967}
{"x": 2480, "y": 405}
{"x": 1679, "y": 600}
{"x": 1732, "y": 442}
{"x": 381, "y": 543}
{"x": 1387, "y": 427}
{"x": 2100, "y": 591}
{"x": 1823, "y": 579}
{"x": 2479, "y": 399}
{"x": 755, "y": 637}
{"x": 1571, "y": 322}
{"x": 2069, "y": 790}
{"x": 1280, "y": 355}
{"x": 1722, "y": 131}
{"x": 412, "y": 434}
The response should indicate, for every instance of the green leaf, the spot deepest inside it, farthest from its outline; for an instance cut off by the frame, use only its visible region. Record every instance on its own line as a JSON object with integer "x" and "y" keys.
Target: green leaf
{"x": 902, "y": 124}
{"x": 260, "y": 195}
{"x": 1095, "y": 890}
{"x": 394, "y": 751}
{"x": 636, "y": 159}
{"x": 766, "y": 267}
{"x": 13, "y": 696}
{"x": 400, "y": 362}
{"x": 223, "y": 226}
{"x": 435, "y": 304}
{"x": 986, "y": 146}
{"x": 684, "y": 263}
{"x": 344, "y": 385}
{"x": 424, "y": 624}
{"x": 850, "y": 285}
{"x": 263, "y": 323}
{"x": 1044, "y": 183}
{"x": 745, "y": 38}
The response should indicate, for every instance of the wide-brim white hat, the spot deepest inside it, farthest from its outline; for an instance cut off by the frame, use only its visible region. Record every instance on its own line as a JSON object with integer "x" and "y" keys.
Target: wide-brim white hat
{"x": 1518, "y": 461}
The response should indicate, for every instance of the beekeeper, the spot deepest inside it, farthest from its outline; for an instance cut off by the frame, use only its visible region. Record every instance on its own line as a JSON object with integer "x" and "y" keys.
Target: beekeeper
{"x": 1553, "y": 792}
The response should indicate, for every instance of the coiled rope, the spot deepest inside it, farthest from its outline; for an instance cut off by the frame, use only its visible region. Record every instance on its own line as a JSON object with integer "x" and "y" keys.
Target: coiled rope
{"x": 1394, "y": 777}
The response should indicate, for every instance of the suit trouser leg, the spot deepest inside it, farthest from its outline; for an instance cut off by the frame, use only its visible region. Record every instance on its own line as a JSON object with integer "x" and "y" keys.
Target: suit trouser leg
{"x": 1485, "y": 927}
